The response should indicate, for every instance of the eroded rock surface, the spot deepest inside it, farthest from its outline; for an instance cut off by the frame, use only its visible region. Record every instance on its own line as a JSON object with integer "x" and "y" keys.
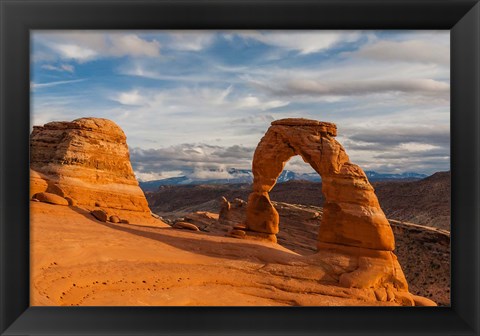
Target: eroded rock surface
{"x": 88, "y": 161}
{"x": 355, "y": 239}
{"x": 50, "y": 198}
{"x": 352, "y": 214}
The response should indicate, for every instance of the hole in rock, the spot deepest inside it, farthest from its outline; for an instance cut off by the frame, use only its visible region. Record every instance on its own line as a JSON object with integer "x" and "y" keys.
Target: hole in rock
{"x": 297, "y": 196}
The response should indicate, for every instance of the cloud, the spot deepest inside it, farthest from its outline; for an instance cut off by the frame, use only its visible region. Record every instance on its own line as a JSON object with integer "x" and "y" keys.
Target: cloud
{"x": 397, "y": 149}
{"x": 74, "y": 52}
{"x": 303, "y": 42}
{"x": 190, "y": 41}
{"x": 254, "y": 119}
{"x": 187, "y": 99}
{"x": 219, "y": 173}
{"x": 152, "y": 176}
{"x": 423, "y": 51}
{"x": 83, "y": 46}
{"x": 388, "y": 92}
{"x": 129, "y": 98}
{"x": 354, "y": 87}
{"x": 233, "y": 152}
{"x": 61, "y": 68}
{"x": 253, "y": 102}
{"x": 132, "y": 45}
{"x": 50, "y": 84}
{"x": 199, "y": 160}
{"x": 418, "y": 147}
{"x": 388, "y": 137}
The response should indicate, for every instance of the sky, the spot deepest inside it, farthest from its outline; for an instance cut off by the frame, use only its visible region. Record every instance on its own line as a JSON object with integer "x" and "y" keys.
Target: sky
{"x": 197, "y": 103}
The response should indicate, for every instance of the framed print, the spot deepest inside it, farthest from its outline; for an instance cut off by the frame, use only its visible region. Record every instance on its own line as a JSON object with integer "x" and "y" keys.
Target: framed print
{"x": 239, "y": 168}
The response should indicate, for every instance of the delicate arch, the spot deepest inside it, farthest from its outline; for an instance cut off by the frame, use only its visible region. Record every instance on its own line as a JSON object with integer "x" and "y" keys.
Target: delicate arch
{"x": 352, "y": 215}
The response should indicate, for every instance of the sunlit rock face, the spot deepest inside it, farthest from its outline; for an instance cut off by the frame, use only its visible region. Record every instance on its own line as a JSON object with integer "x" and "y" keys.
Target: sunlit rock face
{"x": 352, "y": 214}
{"x": 86, "y": 160}
{"x": 355, "y": 239}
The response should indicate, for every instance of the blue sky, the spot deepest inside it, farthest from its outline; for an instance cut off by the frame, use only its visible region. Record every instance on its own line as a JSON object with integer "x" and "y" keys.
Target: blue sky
{"x": 197, "y": 102}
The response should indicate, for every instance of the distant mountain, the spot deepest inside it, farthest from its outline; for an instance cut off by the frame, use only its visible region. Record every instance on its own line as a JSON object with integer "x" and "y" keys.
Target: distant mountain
{"x": 374, "y": 176}
{"x": 425, "y": 202}
{"x": 246, "y": 176}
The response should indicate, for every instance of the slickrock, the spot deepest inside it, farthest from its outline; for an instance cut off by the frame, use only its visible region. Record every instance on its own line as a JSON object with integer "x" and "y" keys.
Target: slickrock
{"x": 86, "y": 160}
{"x": 186, "y": 226}
{"x": 99, "y": 214}
{"x": 38, "y": 183}
{"x": 423, "y": 252}
{"x": 71, "y": 201}
{"x": 104, "y": 264}
{"x": 50, "y": 198}
{"x": 423, "y": 302}
{"x": 114, "y": 219}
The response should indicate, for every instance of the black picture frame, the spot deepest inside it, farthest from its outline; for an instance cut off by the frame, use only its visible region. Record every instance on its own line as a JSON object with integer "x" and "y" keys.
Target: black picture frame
{"x": 18, "y": 17}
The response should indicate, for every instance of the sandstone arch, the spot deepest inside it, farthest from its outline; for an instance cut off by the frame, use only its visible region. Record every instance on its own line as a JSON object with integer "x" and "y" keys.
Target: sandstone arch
{"x": 352, "y": 215}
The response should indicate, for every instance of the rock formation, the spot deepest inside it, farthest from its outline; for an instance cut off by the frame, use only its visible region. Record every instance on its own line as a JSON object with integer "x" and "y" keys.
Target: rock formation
{"x": 355, "y": 237}
{"x": 186, "y": 226}
{"x": 50, "y": 198}
{"x": 86, "y": 160}
{"x": 352, "y": 213}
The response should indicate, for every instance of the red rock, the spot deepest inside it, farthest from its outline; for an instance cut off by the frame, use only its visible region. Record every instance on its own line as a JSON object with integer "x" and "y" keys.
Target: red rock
{"x": 352, "y": 215}
{"x": 381, "y": 294}
{"x": 240, "y": 227}
{"x": 88, "y": 160}
{"x": 38, "y": 183}
{"x": 50, "y": 198}
{"x": 114, "y": 219}
{"x": 236, "y": 233}
{"x": 185, "y": 225}
{"x": 71, "y": 201}
{"x": 261, "y": 214}
{"x": 355, "y": 238}
{"x": 232, "y": 213}
{"x": 55, "y": 189}
{"x": 421, "y": 301}
{"x": 100, "y": 214}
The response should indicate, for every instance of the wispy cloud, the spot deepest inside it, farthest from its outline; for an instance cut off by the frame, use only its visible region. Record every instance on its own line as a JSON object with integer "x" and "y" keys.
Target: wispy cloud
{"x": 56, "y": 83}
{"x": 205, "y": 99}
{"x": 129, "y": 98}
{"x": 190, "y": 41}
{"x": 62, "y": 67}
{"x": 83, "y": 46}
{"x": 416, "y": 51}
{"x": 354, "y": 87}
{"x": 302, "y": 42}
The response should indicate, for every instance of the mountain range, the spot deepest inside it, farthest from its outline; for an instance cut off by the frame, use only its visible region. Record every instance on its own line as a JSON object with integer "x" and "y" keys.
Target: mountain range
{"x": 246, "y": 176}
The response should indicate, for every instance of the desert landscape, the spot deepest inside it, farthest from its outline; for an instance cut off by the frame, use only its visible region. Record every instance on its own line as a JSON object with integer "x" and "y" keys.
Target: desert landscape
{"x": 98, "y": 239}
{"x": 240, "y": 168}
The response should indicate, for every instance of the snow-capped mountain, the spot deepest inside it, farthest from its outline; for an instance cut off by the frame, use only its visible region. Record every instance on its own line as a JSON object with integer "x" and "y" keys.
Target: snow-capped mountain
{"x": 246, "y": 176}
{"x": 374, "y": 176}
